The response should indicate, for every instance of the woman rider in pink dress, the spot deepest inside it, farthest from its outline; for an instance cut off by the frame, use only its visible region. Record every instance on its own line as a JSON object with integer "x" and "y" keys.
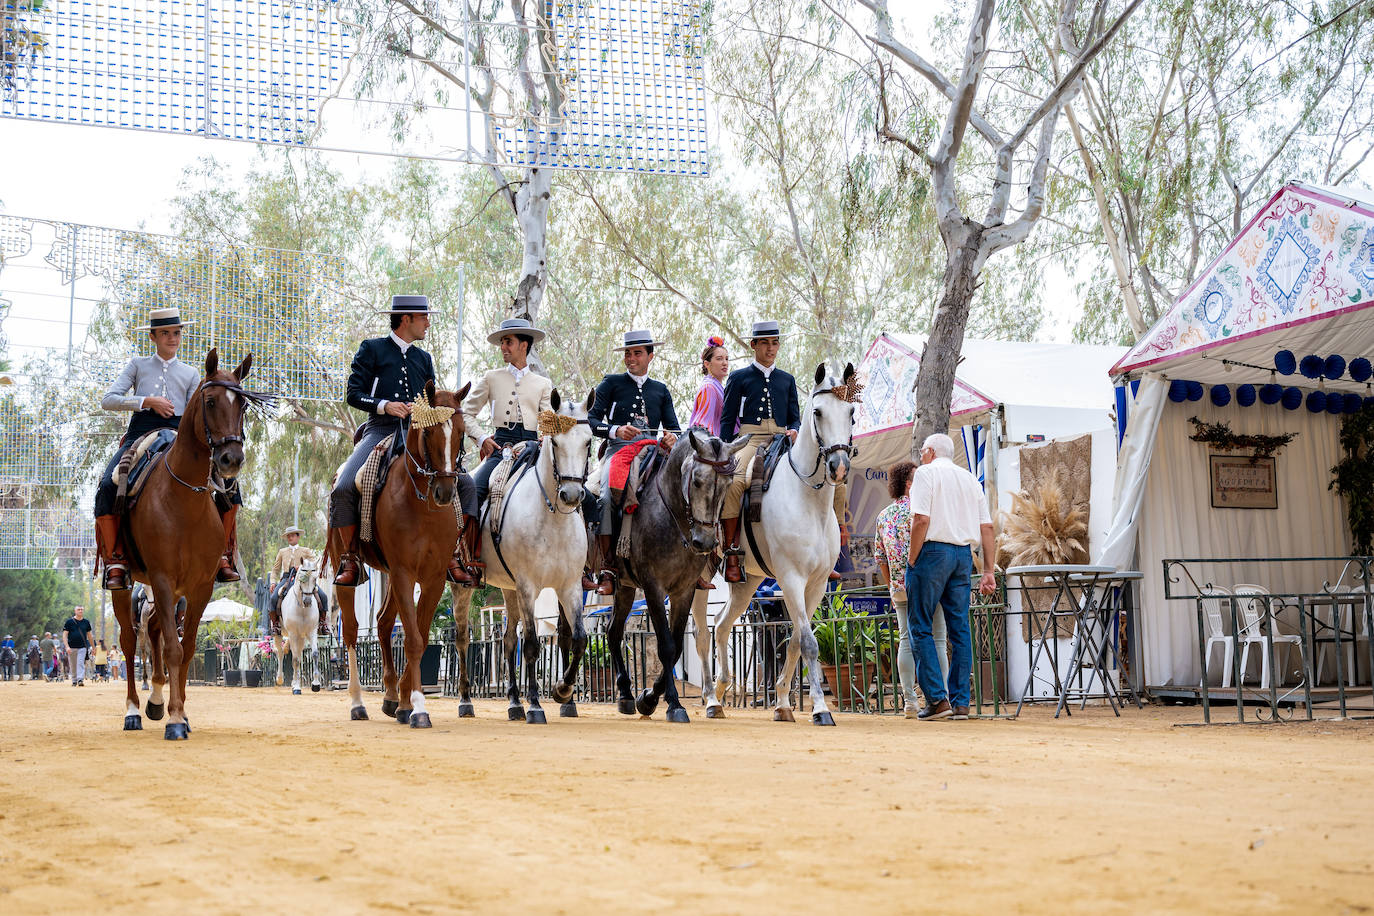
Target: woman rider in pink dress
{"x": 715, "y": 366}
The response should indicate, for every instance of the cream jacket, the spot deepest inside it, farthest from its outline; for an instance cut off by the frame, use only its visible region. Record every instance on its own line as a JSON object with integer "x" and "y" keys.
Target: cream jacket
{"x": 511, "y": 402}
{"x": 289, "y": 558}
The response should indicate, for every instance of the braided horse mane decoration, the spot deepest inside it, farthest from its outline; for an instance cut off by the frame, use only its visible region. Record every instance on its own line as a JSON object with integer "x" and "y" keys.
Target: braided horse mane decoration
{"x": 423, "y": 415}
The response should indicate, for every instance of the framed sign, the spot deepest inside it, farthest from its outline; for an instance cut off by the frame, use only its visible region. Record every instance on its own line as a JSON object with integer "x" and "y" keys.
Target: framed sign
{"x": 1241, "y": 482}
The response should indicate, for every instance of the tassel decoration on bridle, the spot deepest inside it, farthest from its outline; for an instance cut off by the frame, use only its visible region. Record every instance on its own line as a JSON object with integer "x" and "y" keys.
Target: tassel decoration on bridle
{"x": 423, "y": 415}
{"x": 849, "y": 392}
{"x": 552, "y": 424}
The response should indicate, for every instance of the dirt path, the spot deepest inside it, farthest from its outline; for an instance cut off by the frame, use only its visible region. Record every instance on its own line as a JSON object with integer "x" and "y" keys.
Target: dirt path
{"x": 280, "y": 803}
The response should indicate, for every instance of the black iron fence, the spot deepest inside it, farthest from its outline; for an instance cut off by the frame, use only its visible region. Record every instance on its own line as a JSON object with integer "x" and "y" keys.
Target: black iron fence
{"x": 1259, "y": 624}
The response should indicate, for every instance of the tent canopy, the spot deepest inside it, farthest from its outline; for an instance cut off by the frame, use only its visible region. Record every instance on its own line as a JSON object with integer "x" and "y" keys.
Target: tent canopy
{"x": 1299, "y": 277}
{"x": 225, "y": 609}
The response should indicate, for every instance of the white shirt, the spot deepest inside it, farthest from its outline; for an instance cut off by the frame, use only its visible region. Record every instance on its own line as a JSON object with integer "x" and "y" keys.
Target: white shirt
{"x": 639, "y": 379}
{"x": 766, "y": 370}
{"x": 953, "y": 500}
{"x": 518, "y": 373}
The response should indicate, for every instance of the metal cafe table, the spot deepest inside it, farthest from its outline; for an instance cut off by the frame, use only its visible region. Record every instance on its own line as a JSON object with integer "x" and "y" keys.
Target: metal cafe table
{"x": 1089, "y": 596}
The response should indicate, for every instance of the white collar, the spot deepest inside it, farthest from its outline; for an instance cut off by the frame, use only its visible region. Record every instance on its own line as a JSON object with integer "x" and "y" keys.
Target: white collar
{"x": 766, "y": 370}
{"x": 638, "y": 379}
{"x": 518, "y": 373}
{"x": 166, "y": 363}
{"x": 403, "y": 344}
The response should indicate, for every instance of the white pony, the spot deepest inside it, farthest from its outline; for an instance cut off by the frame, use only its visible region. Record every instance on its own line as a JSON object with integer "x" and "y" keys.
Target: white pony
{"x": 300, "y": 621}
{"x": 798, "y": 542}
{"x": 543, "y": 544}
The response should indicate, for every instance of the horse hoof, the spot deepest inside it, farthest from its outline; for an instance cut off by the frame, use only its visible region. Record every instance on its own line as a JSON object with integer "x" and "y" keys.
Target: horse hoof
{"x": 465, "y": 711}
{"x": 822, "y": 718}
{"x": 295, "y": 691}
{"x": 647, "y": 703}
{"x": 516, "y": 713}
{"x": 568, "y": 710}
{"x": 536, "y": 717}
{"x": 420, "y": 720}
{"x": 187, "y": 722}
{"x": 679, "y": 715}
{"x": 389, "y": 707}
{"x": 403, "y": 715}
{"x": 155, "y": 712}
{"x": 626, "y": 706}
{"x": 358, "y": 713}
{"x": 562, "y": 694}
{"x": 133, "y": 723}
{"x": 715, "y": 712}
{"x": 783, "y": 714}
{"x": 176, "y": 731}
{"x": 314, "y": 688}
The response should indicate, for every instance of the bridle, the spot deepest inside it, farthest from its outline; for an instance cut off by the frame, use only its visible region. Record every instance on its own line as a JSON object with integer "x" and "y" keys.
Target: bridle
{"x": 426, "y": 470}
{"x": 823, "y": 451}
{"x": 559, "y": 478}
{"x": 249, "y": 397}
{"x": 724, "y": 468}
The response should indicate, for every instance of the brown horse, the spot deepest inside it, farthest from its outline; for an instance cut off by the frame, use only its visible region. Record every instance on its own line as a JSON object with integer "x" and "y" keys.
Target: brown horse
{"x": 177, "y": 537}
{"x": 415, "y": 529}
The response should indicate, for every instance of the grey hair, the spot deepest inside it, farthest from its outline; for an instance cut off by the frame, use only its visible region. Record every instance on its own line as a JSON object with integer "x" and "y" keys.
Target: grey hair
{"x": 942, "y": 445}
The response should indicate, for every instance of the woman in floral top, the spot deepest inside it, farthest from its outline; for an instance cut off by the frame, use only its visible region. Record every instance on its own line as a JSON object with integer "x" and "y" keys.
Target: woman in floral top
{"x": 893, "y": 539}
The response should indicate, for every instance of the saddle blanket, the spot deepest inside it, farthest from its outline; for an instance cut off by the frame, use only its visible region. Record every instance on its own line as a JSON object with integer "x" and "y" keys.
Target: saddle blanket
{"x": 133, "y": 467}
{"x": 370, "y": 479}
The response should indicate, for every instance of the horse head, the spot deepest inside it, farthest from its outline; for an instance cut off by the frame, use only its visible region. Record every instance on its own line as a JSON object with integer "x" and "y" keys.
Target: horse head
{"x": 566, "y": 430}
{"x": 305, "y": 581}
{"x": 437, "y": 423}
{"x": 832, "y": 420}
{"x": 219, "y": 403}
{"x": 704, "y": 482}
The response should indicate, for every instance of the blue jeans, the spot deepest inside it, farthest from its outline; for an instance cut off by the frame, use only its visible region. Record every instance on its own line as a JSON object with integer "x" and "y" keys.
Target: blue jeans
{"x": 940, "y": 579}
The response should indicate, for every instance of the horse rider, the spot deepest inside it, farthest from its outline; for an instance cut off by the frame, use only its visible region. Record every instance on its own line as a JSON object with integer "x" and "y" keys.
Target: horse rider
{"x": 761, "y": 402}
{"x": 629, "y": 407}
{"x": 517, "y": 396}
{"x": 283, "y": 573}
{"x": 388, "y": 373}
{"x": 155, "y": 388}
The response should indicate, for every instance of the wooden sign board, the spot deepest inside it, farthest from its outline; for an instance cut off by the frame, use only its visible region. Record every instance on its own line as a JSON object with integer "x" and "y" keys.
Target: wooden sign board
{"x": 1242, "y": 482}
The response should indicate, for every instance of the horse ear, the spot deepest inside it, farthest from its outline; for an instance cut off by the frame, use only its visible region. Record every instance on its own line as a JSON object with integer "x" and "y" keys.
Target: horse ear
{"x": 591, "y": 399}
{"x": 462, "y": 393}
{"x": 738, "y": 445}
{"x": 212, "y": 362}
{"x": 699, "y": 445}
{"x": 241, "y": 372}
{"x": 555, "y": 399}
{"x": 849, "y": 373}
{"x": 820, "y": 373}
{"x": 429, "y": 392}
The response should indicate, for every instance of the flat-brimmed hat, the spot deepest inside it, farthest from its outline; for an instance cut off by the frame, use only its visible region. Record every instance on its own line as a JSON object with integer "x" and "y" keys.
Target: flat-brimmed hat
{"x": 408, "y": 305}
{"x": 164, "y": 318}
{"x": 639, "y": 338}
{"x": 518, "y": 326}
{"x": 765, "y": 329}
{"x": 292, "y": 530}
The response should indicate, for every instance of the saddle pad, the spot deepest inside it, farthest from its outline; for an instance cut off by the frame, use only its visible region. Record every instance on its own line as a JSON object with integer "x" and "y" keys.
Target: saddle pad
{"x": 496, "y": 483}
{"x": 132, "y": 471}
{"x": 761, "y": 469}
{"x": 369, "y": 481}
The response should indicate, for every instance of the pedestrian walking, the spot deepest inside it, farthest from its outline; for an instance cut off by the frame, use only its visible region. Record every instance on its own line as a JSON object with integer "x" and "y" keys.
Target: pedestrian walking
{"x": 76, "y": 639}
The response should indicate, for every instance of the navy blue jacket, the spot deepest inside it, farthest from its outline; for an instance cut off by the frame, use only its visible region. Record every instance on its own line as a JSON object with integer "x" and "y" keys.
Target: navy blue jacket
{"x": 618, "y": 399}
{"x": 750, "y": 398}
{"x": 381, "y": 373}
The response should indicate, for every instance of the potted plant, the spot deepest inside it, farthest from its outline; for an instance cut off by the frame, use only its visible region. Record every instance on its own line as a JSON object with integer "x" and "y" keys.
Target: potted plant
{"x": 849, "y": 646}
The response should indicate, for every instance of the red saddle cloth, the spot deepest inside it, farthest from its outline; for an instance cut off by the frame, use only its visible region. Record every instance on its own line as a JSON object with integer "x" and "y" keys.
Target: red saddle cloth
{"x": 623, "y": 459}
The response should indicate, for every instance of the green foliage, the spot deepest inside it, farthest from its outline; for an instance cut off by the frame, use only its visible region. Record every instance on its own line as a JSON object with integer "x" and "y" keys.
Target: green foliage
{"x": 1354, "y": 478}
{"x": 35, "y": 600}
{"x": 1219, "y": 436}
{"x": 845, "y": 637}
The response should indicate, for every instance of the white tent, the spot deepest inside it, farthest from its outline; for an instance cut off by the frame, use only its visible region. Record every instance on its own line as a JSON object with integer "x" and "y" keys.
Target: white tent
{"x": 225, "y": 609}
{"x": 1285, "y": 305}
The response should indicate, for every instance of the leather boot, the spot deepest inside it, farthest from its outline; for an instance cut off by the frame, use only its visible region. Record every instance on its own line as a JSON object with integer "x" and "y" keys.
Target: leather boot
{"x": 734, "y": 571}
{"x": 227, "y": 572}
{"x": 608, "y": 571}
{"x": 703, "y": 583}
{"x": 588, "y": 580}
{"x": 457, "y": 570}
{"x": 112, "y": 555}
{"x": 350, "y": 570}
{"x": 465, "y": 569}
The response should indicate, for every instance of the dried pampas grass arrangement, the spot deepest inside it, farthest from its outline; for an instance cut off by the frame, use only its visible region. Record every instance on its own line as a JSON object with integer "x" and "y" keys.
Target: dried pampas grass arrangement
{"x": 1044, "y": 527}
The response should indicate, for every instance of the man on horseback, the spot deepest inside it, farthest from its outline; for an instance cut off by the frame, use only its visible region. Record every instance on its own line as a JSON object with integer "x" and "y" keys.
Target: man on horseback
{"x": 517, "y": 396}
{"x": 155, "y": 388}
{"x": 629, "y": 407}
{"x": 388, "y": 373}
{"x": 283, "y": 573}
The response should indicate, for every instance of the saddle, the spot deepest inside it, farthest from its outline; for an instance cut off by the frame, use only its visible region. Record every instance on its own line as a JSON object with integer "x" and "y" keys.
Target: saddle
{"x": 760, "y": 473}
{"x": 513, "y": 459}
{"x": 644, "y": 469}
{"x": 131, "y": 473}
{"x": 370, "y": 480}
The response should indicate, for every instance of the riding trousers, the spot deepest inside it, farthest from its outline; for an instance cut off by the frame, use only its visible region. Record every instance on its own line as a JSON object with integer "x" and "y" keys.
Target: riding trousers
{"x": 759, "y": 436}
{"x": 343, "y": 501}
{"x": 141, "y": 423}
{"x": 505, "y": 435}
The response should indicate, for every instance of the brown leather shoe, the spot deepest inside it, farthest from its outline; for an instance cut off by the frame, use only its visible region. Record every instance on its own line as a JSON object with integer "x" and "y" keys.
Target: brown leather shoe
{"x": 350, "y": 574}
{"x": 703, "y": 585}
{"x": 110, "y": 544}
{"x": 940, "y": 710}
{"x": 960, "y": 713}
{"x": 588, "y": 580}
{"x": 606, "y": 578}
{"x": 457, "y": 574}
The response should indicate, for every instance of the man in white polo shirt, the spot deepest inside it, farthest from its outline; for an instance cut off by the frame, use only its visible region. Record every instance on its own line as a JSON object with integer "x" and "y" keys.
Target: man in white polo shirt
{"x": 949, "y": 514}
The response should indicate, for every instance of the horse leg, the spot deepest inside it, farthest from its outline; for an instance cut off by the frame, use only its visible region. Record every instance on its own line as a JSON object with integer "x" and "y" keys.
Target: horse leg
{"x": 530, "y": 634}
{"x": 343, "y": 598}
{"x": 624, "y": 600}
{"x": 647, "y": 701}
{"x": 701, "y": 616}
{"x": 740, "y": 593}
{"x": 515, "y": 712}
{"x": 156, "y": 706}
{"x": 166, "y": 603}
{"x": 794, "y": 597}
{"x": 385, "y": 623}
{"x": 810, "y": 652}
{"x": 314, "y": 662}
{"x": 572, "y": 636}
{"x": 677, "y": 627}
{"x": 462, "y": 638}
{"x": 128, "y": 644}
{"x": 279, "y": 649}
{"x": 402, "y": 585}
{"x": 430, "y": 593}
{"x": 297, "y": 659}
{"x": 190, "y": 627}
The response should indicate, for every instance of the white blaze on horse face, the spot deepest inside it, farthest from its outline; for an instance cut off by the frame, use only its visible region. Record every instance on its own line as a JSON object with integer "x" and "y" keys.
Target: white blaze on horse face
{"x": 230, "y": 396}
{"x": 448, "y": 445}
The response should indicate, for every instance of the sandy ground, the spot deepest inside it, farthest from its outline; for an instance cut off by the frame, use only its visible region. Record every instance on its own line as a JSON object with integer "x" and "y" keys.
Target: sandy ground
{"x": 279, "y": 803}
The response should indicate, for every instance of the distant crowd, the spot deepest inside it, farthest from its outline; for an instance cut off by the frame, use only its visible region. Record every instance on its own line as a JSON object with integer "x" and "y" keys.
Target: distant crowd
{"x": 70, "y": 654}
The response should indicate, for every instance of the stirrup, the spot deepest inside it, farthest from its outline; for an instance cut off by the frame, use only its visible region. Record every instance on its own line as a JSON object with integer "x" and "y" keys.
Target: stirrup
{"x": 608, "y": 579}
{"x": 123, "y": 571}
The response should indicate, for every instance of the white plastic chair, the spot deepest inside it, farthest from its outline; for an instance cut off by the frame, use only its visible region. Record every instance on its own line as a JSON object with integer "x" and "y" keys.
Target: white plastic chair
{"x": 1336, "y": 617}
{"x": 1212, "y": 608}
{"x": 1252, "y": 606}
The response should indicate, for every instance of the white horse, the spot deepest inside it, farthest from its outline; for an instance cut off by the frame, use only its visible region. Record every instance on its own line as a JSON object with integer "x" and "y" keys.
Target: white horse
{"x": 300, "y": 621}
{"x": 798, "y": 542}
{"x": 543, "y": 545}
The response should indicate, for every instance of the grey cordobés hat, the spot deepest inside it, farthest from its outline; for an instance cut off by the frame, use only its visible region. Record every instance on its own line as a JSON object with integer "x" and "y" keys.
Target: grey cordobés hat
{"x": 639, "y": 338}
{"x": 767, "y": 328}
{"x": 517, "y": 326}
{"x": 164, "y": 318}
{"x": 408, "y": 305}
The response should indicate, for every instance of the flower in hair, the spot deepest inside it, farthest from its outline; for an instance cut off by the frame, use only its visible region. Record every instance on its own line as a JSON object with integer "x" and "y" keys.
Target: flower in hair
{"x": 714, "y": 341}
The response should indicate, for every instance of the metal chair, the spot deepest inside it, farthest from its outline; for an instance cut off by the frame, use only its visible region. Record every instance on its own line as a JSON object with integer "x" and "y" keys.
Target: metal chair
{"x": 1216, "y": 629}
{"x": 1256, "y": 605}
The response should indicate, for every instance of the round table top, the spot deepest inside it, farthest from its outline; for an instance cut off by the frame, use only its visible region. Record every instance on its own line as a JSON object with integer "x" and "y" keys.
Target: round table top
{"x": 1051, "y": 569}
{"x": 1117, "y": 576}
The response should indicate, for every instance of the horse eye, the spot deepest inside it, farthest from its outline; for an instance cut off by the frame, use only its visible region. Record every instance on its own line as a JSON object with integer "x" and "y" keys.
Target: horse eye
{"x": 817, "y": 411}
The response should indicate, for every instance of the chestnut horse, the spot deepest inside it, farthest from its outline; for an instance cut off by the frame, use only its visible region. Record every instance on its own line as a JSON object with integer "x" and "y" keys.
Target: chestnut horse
{"x": 415, "y": 530}
{"x": 176, "y": 537}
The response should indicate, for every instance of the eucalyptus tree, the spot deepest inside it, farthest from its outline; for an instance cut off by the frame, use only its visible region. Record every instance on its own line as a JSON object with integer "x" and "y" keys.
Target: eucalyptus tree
{"x": 1013, "y": 106}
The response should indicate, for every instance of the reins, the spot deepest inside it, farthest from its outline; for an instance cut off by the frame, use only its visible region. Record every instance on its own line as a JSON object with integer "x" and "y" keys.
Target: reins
{"x": 724, "y": 467}
{"x": 250, "y": 398}
{"x": 823, "y": 451}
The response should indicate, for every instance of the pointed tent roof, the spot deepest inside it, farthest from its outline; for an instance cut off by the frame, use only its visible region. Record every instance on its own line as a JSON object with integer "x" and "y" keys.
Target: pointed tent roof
{"x": 1298, "y": 277}
{"x": 889, "y": 371}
